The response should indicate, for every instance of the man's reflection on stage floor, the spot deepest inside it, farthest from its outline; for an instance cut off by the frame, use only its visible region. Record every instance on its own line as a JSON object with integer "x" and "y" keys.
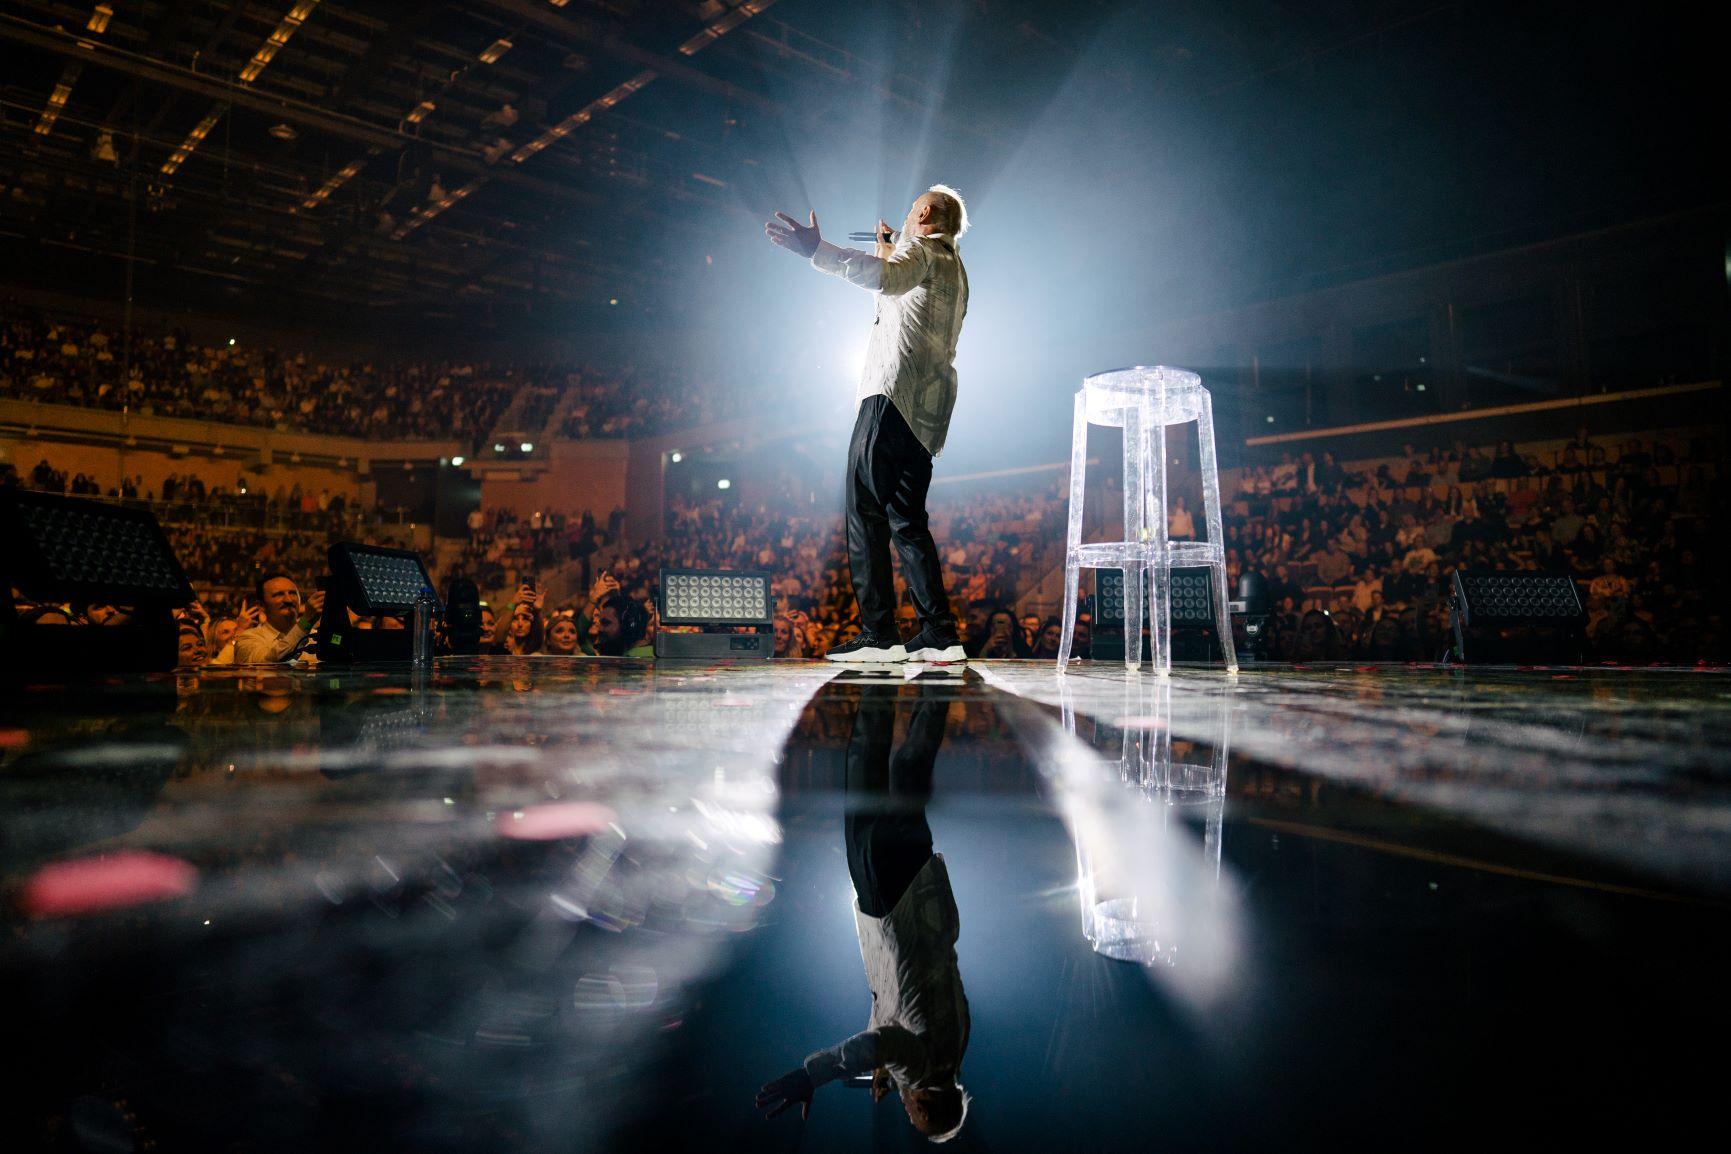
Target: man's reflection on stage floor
{"x": 905, "y": 915}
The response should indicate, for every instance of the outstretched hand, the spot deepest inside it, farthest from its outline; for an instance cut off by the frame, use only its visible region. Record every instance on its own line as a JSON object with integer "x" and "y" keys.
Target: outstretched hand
{"x": 792, "y": 235}
{"x": 785, "y": 1091}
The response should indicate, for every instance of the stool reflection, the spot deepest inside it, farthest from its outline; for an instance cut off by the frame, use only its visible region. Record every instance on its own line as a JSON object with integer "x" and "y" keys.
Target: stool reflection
{"x": 1126, "y": 847}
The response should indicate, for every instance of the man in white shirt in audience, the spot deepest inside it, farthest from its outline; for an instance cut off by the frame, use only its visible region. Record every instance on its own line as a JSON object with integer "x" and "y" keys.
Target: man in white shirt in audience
{"x": 287, "y": 622}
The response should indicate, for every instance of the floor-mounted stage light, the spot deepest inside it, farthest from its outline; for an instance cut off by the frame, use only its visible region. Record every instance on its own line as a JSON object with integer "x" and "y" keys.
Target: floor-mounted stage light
{"x": 1192, "y": 615}
{"x": 1250, "y": 613}
{"x": 1109, "y": 597}
{"x": 715, "y": 599}
{"x": 67, "y": 549}
{"x": 373, "y": 582}
{"x": 1516, "y": 617}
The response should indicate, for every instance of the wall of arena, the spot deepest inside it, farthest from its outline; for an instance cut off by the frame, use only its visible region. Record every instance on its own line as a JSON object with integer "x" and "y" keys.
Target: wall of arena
{"x": 574, "y": 475}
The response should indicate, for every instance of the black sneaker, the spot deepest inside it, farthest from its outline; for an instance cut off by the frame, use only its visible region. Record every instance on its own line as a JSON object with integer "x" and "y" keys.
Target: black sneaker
{"x": 936, "y": 646}
{"x": 866, "y": 647}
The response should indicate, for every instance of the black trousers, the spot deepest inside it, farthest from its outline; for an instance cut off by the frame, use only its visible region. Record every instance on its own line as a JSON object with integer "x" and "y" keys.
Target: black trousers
{"x": 888, "y": 839}
{"x": 888, "y": 473}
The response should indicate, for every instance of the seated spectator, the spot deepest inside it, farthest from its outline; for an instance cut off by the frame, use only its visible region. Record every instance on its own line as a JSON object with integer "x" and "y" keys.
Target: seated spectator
{"x": 976, "y": 615}
{"x": 1180, "y": 526}
{"x": 221, "y": 631}
{"x": 1051, "y": 635}
{"x": 1317, "y": 639}
{"x": 789, "y": 639}
{"x": 1333, "y": 566}
{"x": 1509, "y": 463}
{"x": 1285, "y": 476}
{"x": 490, "y": 644}
{"x": 192, "y": 647}
{"x": 1002, "y": 638}
{"x": 286, "y": 626}
{"x": 619, "y": 628}
{"x": 1329, "y": 475}
{"x": 1609, "y": 585}
{"x": 562, "y": 637}
{"x": 107, "y": 615}
{"x": 248, "y": 617}
{"x": 523, "y": 631}
{"x": 1415, "y": 472}
{"x": 1030, "y": 627}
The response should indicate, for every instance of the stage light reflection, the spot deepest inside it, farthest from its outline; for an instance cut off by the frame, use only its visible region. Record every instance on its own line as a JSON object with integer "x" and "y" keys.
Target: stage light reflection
{"x": 1150, "y": 890}
{"x": 106, "y": 882}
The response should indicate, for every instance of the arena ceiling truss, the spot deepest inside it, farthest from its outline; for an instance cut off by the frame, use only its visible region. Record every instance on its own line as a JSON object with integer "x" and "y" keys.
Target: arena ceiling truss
{"x": 413, "y": 153}
{"x": 430, "y": 157}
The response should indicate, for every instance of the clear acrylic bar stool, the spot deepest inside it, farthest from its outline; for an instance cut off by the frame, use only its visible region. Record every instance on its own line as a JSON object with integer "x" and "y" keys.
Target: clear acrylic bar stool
{"x": 1143, "y": 401}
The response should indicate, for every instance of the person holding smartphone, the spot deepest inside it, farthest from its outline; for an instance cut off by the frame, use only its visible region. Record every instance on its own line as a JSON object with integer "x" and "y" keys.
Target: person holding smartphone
{"x": 524, "y": 629}
{"x": 287, "y": 622}
{"x": 618, "y": 625}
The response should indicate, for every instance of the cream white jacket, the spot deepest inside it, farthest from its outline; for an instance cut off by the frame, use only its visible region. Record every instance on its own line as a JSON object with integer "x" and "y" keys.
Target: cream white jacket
{"x": 919, "y": 1019}
{"x": 922, "y": 296}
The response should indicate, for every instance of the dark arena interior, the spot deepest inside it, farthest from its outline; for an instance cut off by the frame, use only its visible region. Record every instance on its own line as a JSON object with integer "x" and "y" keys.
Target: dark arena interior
{"x": 538, "y": 612}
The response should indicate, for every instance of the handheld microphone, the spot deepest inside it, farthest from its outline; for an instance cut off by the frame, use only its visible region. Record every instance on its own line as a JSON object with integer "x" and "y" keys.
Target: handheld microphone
{"x": 869, "y": 237}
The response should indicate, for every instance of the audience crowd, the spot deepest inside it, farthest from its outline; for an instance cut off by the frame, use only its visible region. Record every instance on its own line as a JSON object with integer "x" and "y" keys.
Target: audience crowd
{"x": 1356, "y": 560}
{"x": 990, "y": 545}
{"x": 67, "y": 359}
{"x": 71, "y": 360}
{"x": 635, "y": 403}
{"x": 188, "y": 499}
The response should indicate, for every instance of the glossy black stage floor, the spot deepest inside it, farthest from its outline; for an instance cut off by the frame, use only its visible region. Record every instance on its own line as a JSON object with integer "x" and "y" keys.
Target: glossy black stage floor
{"x": 554, "y": 904}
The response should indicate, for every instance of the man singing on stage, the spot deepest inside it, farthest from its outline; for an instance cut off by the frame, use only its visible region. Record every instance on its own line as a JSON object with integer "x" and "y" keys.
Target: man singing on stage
{"x": 905, "y": 395}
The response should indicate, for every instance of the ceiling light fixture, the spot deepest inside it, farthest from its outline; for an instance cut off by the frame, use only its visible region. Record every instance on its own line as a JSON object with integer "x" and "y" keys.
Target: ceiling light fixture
{"x": 192, "y": 141}
{"x": 51, "y": 111}
{"x": 581, "y": 117}
{"x": 284, "y": 31}
{"x": 436, "y": 205}
{"x": 339, "y": 178}
{"x": 274, "y": 43}
{"x": 713, "y": 32}
{"x": 733, "y": 19}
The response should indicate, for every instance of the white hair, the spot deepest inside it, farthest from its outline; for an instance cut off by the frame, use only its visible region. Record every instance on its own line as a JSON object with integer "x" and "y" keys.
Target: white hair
{"x": 967, "y": 1099}
{"x": 961, "y": 212}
